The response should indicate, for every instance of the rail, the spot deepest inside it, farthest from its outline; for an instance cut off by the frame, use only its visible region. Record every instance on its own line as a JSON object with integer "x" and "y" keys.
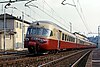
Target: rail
{"x": 51, "y": 62}
{"x": 78, "y": 61}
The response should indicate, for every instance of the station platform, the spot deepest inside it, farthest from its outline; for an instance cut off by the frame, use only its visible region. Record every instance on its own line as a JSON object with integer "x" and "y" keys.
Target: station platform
{"x": 94, "y": 58}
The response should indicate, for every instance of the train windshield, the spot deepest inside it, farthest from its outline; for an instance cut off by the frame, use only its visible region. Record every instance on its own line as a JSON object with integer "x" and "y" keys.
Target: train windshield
{"x": 38, "y": 31}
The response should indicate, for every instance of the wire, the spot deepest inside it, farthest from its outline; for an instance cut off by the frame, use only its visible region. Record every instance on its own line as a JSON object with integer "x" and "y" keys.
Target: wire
{"x": 49, "y": 15}
{"x": 24, "y": 13}
{"x": 83, "y": 15}
{"x": 14, "y": 1}
{"x": 54, "y": 15}
{"x": 34, "y": 11}
{"x": 54, "y": 11}
{"x": 81, "y": 18}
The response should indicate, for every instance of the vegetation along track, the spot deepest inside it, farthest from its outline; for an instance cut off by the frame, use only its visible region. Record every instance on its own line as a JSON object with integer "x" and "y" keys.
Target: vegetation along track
{"x": 44, "y": 60}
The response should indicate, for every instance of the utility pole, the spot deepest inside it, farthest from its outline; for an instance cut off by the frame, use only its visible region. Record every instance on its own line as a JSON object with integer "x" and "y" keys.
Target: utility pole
{"x": 98, "y": 45}
{"x": 8, "y": 4}
{"x": 70, "y": 27}
{"x": 22, "y": 29}
{"x": 4, "y": 26}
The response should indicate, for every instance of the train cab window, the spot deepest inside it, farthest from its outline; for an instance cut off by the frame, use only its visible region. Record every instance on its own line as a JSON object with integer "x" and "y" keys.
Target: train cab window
{"x": 51, "y": 34}
{"x": 63, "y": 36}
{"x": 45, "y": 32}
{"x": 38, "y": 31}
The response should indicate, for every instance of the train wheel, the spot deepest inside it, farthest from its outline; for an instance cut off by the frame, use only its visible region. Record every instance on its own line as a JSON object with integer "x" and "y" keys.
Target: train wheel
{"x": 31, "y": 49}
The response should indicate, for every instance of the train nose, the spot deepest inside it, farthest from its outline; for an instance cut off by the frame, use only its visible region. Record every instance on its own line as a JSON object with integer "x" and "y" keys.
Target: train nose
{"x": 31, "y": 43}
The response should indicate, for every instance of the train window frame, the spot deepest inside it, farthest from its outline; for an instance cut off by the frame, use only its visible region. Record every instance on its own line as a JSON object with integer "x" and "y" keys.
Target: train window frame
{"x": 63, "y": 36}
{"x": 73, "y": 39}
{"x": 51, "y": 34}
{"x": 33, "y": 31}
{"x": 69, "y": 38}
{"x": 81, "y": 42}
{"x": 46, "y": 31}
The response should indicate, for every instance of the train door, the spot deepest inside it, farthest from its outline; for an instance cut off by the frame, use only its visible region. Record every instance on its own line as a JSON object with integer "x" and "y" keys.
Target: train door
{"x": 58, "y": 38}
{"x": 77, "y": 46}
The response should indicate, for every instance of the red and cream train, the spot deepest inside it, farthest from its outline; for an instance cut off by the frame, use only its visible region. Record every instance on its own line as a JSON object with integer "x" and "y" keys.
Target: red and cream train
{"x": 47, "y": 36}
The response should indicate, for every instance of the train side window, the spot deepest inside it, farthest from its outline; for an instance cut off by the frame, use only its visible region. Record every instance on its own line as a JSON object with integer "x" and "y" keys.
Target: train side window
{"x": 63, "y": 36}
{"x": 51, "y": 34}
{"x": 73, "y": 39}
{"x": 67, "y": 38}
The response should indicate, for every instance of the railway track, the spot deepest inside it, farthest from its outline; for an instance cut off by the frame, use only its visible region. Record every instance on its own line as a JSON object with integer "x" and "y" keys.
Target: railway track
{"x": 12, "y": 55}
{"x": 71, "y": 60}
{"x": 44, "y": 60}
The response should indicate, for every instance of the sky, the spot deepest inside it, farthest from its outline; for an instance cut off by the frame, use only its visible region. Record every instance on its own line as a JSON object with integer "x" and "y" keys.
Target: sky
{"x": 85, "y": 17}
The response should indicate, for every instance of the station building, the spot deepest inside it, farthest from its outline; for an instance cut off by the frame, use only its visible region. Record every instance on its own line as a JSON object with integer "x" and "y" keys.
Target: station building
{"x": 15, "y": 32}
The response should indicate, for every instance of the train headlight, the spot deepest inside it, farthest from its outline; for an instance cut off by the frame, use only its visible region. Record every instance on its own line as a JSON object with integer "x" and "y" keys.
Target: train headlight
{"x": 37, "y": 38}
{"x": 26, "y": 39}
{"x": 43, "y": 40}
{"x": 34, "y": 38}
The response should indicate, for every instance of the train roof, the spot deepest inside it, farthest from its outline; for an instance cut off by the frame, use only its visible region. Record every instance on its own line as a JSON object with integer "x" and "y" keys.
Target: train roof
{"x": 52, "y": 23}
{"x": 59, "y": 27}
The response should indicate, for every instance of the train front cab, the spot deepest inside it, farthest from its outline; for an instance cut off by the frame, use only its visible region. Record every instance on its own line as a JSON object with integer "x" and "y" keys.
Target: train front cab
{"x": 36, "y": 42}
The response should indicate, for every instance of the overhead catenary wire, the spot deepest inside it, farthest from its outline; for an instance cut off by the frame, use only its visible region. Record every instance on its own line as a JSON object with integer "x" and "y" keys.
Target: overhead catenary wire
{"x": 27, "y": 4}
{"x": 10, "y": 1}
{"x": 50, "y": 16}
{"x": 56, "y": 12}
{"x": 75, "y": 5}
{"x": 24, "y": 13}
{"x": 53, "y": 15}
{"x": 63, "y": 3}
{"x": 81, "y": 18}
{"x": 47, "y": 14}
{"x": 13, "y": 1}
{"x": 83, "y": 14}
{"x": 33, "y": 11}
